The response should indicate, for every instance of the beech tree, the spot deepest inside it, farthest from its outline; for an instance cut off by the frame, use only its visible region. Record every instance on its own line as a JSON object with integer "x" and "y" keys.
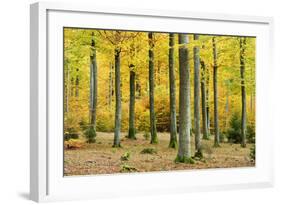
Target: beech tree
{"x": 153, "y": 131}
{"x": 132, "y": 134}
{"x": 203, "y": 100}
{"x": 198, "y": 149}
{"x": 184, "y": 152}
{"x": 215, "y": 86}
{"x": 93, "y": 92}
{"x": 173, "y": 123}
{"x": 243, "y": 91}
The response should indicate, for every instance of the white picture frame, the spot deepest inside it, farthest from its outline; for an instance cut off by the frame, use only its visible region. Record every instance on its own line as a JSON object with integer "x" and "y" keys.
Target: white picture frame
{"x": 47, "y": 182}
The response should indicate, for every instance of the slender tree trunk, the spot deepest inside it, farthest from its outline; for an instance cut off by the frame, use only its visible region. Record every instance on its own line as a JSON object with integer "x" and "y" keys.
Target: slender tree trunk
{"x": 216, "y": 117}
{"x": 72, "y": 88}
{"x": 226, "y": 104}
{"x": 67, "y": 90}
{"x": 77, "y": 85}
{"x": 252, "y": 95}
{"x": 110, "y": 86}
{"x": 184, "y": 152}
{"x": 77, "y": 90}
{"x": 117, "y": 132}
{"x": 153, "y": 131}
{"x": 204, "y": 108}
{"x": 207, "y": 88}
{"x": 198, "y": 149}
{"x": 243, "y": 91}
{"x": 93, "y": 91}
{"x": 173, "y": 120}
{"x": 132, "y": 130}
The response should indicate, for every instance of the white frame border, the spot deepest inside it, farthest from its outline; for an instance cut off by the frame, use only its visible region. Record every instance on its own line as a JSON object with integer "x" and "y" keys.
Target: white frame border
{"x": 39, "y": 82}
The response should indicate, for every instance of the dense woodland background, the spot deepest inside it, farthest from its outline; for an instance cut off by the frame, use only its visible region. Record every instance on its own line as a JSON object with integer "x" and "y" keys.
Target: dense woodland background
{"x": 224, "y": 114}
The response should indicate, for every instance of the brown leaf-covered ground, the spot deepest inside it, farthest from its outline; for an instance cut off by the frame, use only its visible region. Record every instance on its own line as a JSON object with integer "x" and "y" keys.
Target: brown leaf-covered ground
{"x": 102, "y": 158}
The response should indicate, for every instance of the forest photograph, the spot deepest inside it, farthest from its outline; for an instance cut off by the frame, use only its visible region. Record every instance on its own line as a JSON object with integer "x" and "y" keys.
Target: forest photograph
{"x": 144, "y": 101}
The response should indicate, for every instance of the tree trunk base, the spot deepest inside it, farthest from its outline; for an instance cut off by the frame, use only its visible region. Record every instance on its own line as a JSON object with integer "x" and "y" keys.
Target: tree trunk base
{"x": 117, "y": 145}
{"x": 154, "y": 141}
{"x": 198, "y": 154}
{"x": 173, "y": 144}
{"x": 243, "y": 145}
{"x": 184, "y": 159}
{"x": 132, "y": 134}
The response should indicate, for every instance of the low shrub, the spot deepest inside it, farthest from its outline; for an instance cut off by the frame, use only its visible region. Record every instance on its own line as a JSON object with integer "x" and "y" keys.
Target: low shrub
{"x": 125, "y": 156}
{"x": 251, "y": 133}
{"x": 149, "y": 151}
{"x": 233, "y": 133}
{"x": 90, "y": 134}
{"x": 71, "y": 133}
{"x": 73, "y": 144}
{"x": 253, "y": 153}
{"x": 127, "y": 168}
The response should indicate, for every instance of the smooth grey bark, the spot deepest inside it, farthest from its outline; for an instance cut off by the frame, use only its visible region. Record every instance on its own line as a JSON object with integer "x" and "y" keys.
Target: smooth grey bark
{"x": 184, "y": 152}
{"x": 203, "y": 100}
{"x": 173, "y": 120}
{"x": 243, "y": 90}
{"x": 132, "y": 130}
{"x": 110, "y": 85}
{"x": 153, "y": 131}
{"x": 117, "y": 130}
{"x": 216, "y": 117}
{"x": 94, "y": 84}
{"x": 196, "y": 59}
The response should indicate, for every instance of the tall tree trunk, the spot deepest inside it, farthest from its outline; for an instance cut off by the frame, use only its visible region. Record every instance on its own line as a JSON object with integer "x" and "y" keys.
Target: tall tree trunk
{"x": 216, "y": 117}
{"x": 117, "y": 131}
{"x": 153, "y": 131}
{"x": 77, "y": 85}
{"x": 132, "y": 130}
{"x": 226, "y": 105}
{"x": 110, "y": 86}
{"x": 93, "y": 93}
{"x": 77, "y": 90}
{"x": 184, "y": 152}
{"x": 207, "y": 86}
{"x": 67, "y": 91}
{"x": 203, "y": 96}
{"x": 243, "y": 90}
{"x": 198, "y": 149}
{"x": 173, "y": 120}
{"x": 72, "y": 88}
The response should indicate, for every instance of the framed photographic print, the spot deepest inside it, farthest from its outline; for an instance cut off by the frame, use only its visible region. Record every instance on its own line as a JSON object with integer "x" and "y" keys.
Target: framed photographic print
{"x": 129, "y": 102}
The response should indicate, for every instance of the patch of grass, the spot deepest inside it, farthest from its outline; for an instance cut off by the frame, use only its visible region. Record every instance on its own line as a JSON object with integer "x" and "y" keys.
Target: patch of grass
{"x": 149, "y": 151}
{"x": 146, "y": 135}
{"x": 125, "y": 156}
{"x": 128, "y": 168}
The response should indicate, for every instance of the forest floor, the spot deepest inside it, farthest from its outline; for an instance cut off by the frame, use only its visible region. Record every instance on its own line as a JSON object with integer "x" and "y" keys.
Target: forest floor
{"x": 102, "y": 158}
